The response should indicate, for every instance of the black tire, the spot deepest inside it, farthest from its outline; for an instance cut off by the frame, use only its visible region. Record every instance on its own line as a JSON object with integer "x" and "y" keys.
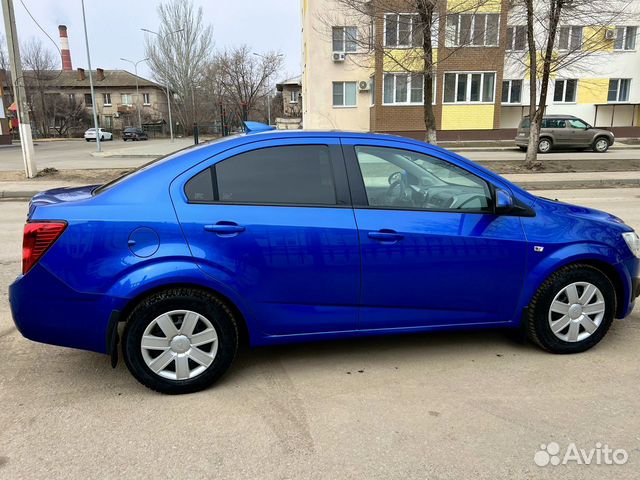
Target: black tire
{"x": 542, "y": 145}
{"x": 600, "y": 147}
{"x": 102, "y": 138}
{"x": 87, "y": 140}
{"x": 524, "y": 149}
{"x": 537, "y": 321}
{"x": 199, "y": 301}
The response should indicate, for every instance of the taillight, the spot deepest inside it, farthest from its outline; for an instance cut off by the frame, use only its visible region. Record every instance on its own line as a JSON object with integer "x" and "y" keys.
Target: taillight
{"x": 38, "y": 238}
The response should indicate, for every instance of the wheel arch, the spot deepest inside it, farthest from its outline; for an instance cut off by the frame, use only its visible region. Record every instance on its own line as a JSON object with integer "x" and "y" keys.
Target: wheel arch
{"x": 121, "y": 316}
{"x": 609, "y": 270}
{"x": 243, "y": 328}
{"x": 599, "y": 136}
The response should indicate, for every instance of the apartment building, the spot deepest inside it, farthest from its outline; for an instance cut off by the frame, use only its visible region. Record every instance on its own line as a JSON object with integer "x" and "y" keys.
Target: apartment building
{"x": 355, "y": 74}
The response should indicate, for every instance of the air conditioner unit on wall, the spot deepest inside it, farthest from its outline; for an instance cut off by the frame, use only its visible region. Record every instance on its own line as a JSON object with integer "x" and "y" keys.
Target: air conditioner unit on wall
{"x": 609, "y": 34}
{"x": 364, "y": 85}
{"x": 339, "y": 56}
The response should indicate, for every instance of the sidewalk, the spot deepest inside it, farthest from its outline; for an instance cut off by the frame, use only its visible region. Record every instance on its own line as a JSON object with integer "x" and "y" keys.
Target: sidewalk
{"x": 25, "y": 189}
{"x": 146, "y": 149}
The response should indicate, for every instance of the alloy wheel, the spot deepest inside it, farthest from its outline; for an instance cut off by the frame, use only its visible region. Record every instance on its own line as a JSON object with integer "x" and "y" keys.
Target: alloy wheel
{"x": 179, "y": 345}
{"x": 601, "y": 145}
{"x": 544, "y": 146}
{"x": 576, "y": 312}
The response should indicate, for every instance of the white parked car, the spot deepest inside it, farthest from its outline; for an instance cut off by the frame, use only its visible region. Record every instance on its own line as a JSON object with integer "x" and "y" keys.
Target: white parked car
{"x": 91, "y": 134}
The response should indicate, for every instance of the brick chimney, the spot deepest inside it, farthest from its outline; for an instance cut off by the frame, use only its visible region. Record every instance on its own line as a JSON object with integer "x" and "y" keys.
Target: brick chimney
{"x": 100, "y": 74}
{"x": 81, "y": 75}
{"x": 64, "y": 48}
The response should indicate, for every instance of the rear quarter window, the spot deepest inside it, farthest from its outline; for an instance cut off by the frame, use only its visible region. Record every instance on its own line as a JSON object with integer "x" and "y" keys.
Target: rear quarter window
{"x": 287, "y": 175}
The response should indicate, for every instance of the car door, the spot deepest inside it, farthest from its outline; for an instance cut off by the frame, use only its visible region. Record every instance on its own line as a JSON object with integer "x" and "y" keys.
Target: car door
{"x": 561, "y": 134}
{"x": 272, "y": 220}
{"x": 580, "y": 134}
{"x": 433, "y": 252}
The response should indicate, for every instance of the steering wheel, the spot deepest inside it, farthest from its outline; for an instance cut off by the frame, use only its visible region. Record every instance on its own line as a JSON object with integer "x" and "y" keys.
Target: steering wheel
{"x": 473, "y": 197}
{"x": 397, "y": 181}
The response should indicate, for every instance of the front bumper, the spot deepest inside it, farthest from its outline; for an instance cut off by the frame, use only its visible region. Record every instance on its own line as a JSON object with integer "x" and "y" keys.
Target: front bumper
{"x": 47, "y": 310}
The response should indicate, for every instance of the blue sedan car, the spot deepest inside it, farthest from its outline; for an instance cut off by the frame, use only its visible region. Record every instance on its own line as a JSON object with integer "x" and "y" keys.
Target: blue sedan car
{"x": 281, "y": 237}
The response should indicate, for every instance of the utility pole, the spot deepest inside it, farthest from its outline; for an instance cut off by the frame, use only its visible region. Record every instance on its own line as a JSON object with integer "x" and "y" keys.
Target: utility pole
{"x": 93, "y": 93}
{"x": 135, "y": 69}
{"x": 24, "y": 125}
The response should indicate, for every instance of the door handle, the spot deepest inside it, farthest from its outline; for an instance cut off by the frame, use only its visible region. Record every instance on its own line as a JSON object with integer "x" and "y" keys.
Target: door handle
{"x": 386, "y": 235}
{"x": 225, "y": 228}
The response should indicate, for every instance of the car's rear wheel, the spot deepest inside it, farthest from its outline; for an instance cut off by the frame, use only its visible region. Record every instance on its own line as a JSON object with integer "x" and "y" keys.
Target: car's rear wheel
{"x": 544, "y": 145}
{"x": 524, "y": 149}
{"x": 601, "y": 145}
{"x": 180, "y": 340}
{"x": 572, "y": 311}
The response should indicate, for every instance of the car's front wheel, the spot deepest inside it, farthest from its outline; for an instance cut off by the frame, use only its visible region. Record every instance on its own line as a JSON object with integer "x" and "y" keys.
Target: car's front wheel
{"x": 601, "y": 145}
{"x": 180, "y": 340}
{"x": 572, "y": 310}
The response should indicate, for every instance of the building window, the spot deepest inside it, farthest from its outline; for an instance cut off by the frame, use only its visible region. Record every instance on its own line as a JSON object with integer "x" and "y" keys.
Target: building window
{"x": 106, "y": 97}
{"x": 87, "y": 100}
{"x": 511, "y": 91}
{"x": 146, "y": 99}
{"x": 619, "y": 90}
{"x": 72, "y": 98}
{"x": 403, "y": 30}
{"x": 570, "y": 38}
{"x": 516, "y": 38}
{"x": 344, "y": 39}
{"x": 108, "y": 122}
{"x": 403, "y": 88}
{"x": 293, "y": 96}
{"x": 479, "y": 29}
{"x": 126, "y": 99}
{"x": 372, "y": 86}
{"x": 469, "y": 87}
{"x": 344, "y": 94}
{"x": 625, "y": 38}
{"x": 565, "y": 91}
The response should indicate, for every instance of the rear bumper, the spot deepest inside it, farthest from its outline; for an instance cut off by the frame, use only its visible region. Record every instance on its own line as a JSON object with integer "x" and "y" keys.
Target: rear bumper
{"x": 46, "y": 310}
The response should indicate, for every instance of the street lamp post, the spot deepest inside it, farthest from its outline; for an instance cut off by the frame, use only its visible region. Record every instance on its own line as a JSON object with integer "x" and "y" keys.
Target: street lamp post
{"x": 269, "y": 91}
{"x": 164, "y": 37}
{"x": 135, "y": 69}
{"x": 93, "y": 94}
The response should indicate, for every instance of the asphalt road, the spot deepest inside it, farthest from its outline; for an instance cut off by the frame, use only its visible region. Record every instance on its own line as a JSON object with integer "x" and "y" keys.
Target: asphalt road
{"x": 75, "y": 154}
{"x": 453, "y": 405}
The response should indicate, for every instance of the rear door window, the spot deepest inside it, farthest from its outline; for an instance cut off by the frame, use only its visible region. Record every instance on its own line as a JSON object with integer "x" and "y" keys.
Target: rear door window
{"x": 287, "y": 175}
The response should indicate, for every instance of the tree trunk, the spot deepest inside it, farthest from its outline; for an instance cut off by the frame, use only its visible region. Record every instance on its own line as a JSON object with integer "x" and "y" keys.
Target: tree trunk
{"x": 425, "y": 10}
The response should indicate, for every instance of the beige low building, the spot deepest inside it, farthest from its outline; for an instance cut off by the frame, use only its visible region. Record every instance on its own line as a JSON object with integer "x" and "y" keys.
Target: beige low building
{"x": 115, "y": 94}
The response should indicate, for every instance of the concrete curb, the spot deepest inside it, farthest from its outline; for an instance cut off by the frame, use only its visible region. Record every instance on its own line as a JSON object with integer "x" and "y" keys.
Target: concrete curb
{"x": 527, "y": 185}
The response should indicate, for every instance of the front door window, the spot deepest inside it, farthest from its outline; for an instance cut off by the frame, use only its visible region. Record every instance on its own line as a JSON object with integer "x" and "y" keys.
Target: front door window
{"x": 395, "y": 178}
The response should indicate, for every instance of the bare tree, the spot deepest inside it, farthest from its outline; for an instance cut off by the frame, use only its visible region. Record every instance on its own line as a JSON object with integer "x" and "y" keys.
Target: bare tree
{"x": 39, "y": 64}
{"x": 561, "y": 36}
{"x": 67, "y": 114}
{"x": 422, "y": 25}
{"x": 245, "y": 79}
{"x": 180, "y": 59}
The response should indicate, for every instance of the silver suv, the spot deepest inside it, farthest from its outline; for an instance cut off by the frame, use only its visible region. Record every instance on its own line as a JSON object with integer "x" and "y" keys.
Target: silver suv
{"x": 565, "y": 131}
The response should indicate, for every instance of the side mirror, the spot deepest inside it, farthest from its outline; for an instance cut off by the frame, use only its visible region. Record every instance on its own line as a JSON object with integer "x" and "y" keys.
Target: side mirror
{"x": 504, "y": 201}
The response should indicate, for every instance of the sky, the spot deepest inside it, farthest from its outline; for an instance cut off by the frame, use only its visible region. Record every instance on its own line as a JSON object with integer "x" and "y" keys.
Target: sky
{"x": 114, "y": 28}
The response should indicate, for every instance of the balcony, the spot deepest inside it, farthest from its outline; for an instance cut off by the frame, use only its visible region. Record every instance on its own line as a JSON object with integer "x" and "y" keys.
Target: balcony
{"x": 125, "y": 108}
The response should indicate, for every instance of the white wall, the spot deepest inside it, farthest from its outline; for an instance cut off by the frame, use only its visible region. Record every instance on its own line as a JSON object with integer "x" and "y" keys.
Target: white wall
{"x": 319, "y": 71}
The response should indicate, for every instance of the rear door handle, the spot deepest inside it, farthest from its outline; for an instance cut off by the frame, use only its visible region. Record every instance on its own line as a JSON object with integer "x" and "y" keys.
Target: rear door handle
{"x": 386, "y": 235}
{"x": 225, "y": 228}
